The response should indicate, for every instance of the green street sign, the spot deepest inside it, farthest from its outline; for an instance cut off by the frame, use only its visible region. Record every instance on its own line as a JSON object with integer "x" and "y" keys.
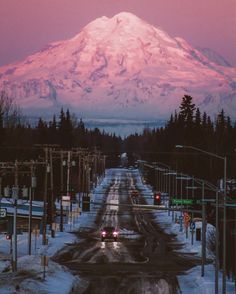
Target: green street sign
{"x": 182, "y": 201}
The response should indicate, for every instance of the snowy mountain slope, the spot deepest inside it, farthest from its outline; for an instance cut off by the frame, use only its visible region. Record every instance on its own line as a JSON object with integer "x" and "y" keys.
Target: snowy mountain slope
{"x": 120, "y": 67}
{"x": 214, "y": 56}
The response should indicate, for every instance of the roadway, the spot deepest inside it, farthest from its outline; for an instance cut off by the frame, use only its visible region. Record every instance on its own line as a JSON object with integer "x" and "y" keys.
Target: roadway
{"x": 143, "y": 259}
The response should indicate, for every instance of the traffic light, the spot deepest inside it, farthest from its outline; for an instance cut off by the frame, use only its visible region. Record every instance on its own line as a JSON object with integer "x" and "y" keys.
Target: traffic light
{"x": 157, "y": 198}
{"x": 85, "y": 203}
{"x": 8, "y": 236}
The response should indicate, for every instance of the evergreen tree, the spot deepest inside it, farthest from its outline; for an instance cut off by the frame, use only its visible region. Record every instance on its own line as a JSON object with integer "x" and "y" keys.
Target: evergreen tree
{"x": 186, "y": 115}
{"x": 221, "y": 121}
{"x": 65, "y": 131}
{"x": 61, "y": 120}
{"x": 52, "y": 131}
{"x": 41, "y": 132}
{"x": 69, "y": 129}
{"x": 198, "y": 130}
{"x": 1, "y": 125}
{"x": 81, "y": 137}
{"x": 204, "y": 120}
{"x": 198, "y": 119}
{"x": 62, "y": 129}
{"x": 187, "y": 109}
{"x": 220, "y": 131}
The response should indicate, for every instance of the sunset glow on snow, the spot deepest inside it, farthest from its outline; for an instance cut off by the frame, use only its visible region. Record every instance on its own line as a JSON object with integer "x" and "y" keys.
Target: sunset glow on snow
{"x": 27, "y": 26}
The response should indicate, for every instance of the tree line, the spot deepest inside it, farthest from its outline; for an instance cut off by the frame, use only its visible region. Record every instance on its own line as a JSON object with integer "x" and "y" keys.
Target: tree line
{"x": 65, "y": 131}
{"x": 189, "y": 127}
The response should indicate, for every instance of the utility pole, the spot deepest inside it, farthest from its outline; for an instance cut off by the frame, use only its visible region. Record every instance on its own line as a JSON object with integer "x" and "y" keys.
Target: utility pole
{"x": 14, "y": 167}
{"x": 68, "y": 178}
{"x": 15, "y": 197}
{"x": 203, "y": 230}
{"x": 62, "y": 186}
{"x": 52, "y": 194}
{"x": 224, "y": 227}
{"x": 79, "y": 181}
{"x": 217, "y": 245}
{"x": 31, "y": 197}
{"x": 44, "y": 239}
{"x": 30, "y": 213}
{"x": 0, "y": 190}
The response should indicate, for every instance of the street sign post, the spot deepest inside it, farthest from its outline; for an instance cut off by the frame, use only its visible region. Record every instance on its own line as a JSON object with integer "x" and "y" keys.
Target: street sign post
{"x": 192, "y": 227}
{"x": 192, "y": 233}
{"x": 186, "y": 223}
{"x": 181, "y": 223}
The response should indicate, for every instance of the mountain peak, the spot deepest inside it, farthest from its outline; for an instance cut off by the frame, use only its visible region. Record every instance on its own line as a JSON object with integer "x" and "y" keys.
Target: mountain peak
{"x": 123, "y": 20}
{"x": 119, "y": 65}
{"x": 126, "y": 16}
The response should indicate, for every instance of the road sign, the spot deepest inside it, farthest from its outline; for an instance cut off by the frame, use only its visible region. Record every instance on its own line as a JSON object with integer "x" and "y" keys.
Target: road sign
{"x": 66, "y": 201}
{"x": 186, "y": 218}
{"x": 206, "y": 200}
{"x": 192, "y": 225}
{"x": 3, "y": 212}
{"x": 182, "y": 201}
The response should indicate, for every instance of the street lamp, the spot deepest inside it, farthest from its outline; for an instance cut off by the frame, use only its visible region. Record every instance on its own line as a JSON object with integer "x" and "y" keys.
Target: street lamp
{"x": 182, "y": 177}
{"x": 166, "y": 184}
{"x": 68, "y": 163}
{"x": 160, "y": 180}
{"x": 171, "y": 189}
{"x": 224, "y": 206}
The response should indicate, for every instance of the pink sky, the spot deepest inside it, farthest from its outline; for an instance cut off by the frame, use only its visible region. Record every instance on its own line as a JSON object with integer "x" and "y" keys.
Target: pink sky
{"x": 28, "y": 25}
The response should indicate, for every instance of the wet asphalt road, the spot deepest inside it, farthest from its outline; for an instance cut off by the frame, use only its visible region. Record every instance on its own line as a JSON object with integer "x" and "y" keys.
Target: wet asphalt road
{"x": 141, "y": 261}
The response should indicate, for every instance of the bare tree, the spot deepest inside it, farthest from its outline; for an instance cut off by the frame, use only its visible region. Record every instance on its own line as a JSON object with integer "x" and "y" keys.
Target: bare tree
{"x": 9, "y": 111}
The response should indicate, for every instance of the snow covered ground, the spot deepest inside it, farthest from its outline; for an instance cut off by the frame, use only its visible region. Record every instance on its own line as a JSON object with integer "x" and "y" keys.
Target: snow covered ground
{"x": 192, "y": 281}
{"x": 30, "y": 275}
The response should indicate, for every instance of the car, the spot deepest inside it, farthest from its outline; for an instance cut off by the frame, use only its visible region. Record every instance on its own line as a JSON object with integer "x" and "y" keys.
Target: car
{"x": 109, "y": 233}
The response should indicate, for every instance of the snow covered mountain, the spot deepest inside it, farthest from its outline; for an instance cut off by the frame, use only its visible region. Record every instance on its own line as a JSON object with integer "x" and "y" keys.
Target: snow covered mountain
{"x": 214, "y": 56}
{"x": 119, "y": 67}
